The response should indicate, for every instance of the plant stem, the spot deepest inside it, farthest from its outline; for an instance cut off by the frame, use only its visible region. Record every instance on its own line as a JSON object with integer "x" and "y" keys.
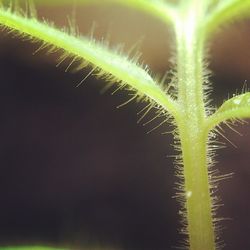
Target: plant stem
{"x": 197, "y": 192}
{"x": 193, "y": 137}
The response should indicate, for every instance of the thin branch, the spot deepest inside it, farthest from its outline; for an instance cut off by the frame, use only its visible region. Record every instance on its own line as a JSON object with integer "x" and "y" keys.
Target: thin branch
{"x": 235, "y": 108}
{"x": 159, "y": 9}
{"x": 111, "y": 65}
{"x": 226, "y": 11}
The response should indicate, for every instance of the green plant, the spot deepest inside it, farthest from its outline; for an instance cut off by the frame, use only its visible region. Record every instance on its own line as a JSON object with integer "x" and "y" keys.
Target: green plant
{"x": 184, "y": 101}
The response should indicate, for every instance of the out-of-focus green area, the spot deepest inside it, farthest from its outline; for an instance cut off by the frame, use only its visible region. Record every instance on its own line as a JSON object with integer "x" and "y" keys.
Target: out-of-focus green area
{"x": 29, "y": 248}
{"x": 49, "y": 248}
{"x": 60, "y": 2}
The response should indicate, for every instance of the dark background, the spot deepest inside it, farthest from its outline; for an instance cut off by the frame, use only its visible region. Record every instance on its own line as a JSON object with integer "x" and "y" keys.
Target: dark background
{"x": 76, "y": 171}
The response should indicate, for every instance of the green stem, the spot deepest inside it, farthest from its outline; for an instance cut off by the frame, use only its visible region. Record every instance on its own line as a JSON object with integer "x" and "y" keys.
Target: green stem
{"x": 198, "y": 205}
{"x": 193, "y": 137}
{"x": 110, "y": 65}
{"x": 158, "y": 9}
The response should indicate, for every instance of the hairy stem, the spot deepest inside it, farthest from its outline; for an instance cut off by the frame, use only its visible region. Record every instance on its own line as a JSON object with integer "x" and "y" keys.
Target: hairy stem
{"x": 117, "y": 68}
{"x": 192, "y": 23}
{"x": 197, "y": 192}
{"x": 193, "y": 137}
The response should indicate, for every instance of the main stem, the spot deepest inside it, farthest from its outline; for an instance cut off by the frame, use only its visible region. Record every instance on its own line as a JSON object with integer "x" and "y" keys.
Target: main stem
{"x": 193, "y": 138}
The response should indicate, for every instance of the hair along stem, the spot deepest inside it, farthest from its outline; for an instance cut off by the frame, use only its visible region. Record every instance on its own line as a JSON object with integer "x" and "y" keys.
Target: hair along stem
{"x": 193, "y": 138}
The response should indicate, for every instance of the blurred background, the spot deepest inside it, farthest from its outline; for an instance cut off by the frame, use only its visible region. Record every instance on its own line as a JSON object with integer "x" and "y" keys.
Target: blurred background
{"x": 76, "y": 171}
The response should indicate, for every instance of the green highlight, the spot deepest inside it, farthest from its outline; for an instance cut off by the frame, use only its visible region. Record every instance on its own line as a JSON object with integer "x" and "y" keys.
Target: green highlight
{"x": 156, "y": 8}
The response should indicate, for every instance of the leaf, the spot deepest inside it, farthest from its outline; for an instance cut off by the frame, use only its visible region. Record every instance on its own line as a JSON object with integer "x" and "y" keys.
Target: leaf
{"x": 237, "y": 107}
{"x": 111, "y": 65}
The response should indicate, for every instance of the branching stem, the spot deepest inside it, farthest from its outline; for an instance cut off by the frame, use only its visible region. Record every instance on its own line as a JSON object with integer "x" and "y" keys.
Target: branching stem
{"x": 193, "y": 137}
{"x": 193, "y": 21}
